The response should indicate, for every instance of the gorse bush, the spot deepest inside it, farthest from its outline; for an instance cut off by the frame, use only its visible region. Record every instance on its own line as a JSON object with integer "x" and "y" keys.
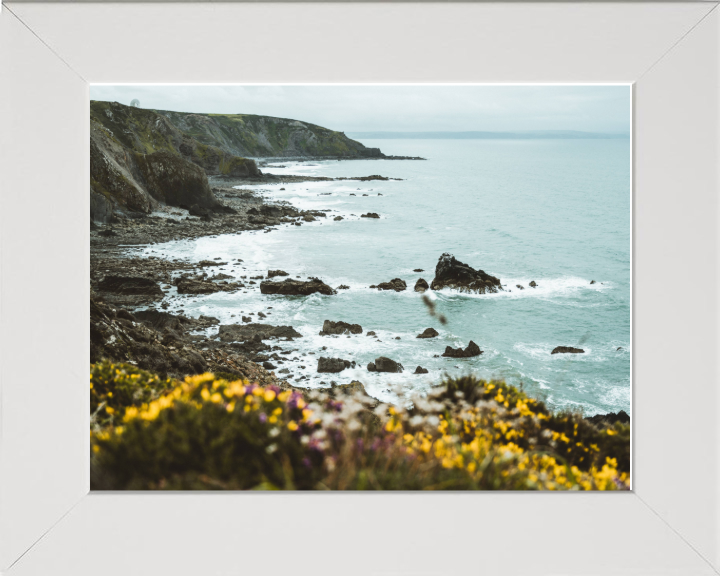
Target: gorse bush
{"x": 211, "y": 433}
{"x": 114, "y": 387}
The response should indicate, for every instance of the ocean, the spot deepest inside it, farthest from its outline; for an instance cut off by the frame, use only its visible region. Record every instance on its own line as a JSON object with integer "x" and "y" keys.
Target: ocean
{"x": 556, "y": 212}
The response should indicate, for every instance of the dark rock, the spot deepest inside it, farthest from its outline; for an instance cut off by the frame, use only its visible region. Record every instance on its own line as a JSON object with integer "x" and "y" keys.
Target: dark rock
{"x": 205, "y": 263}
{"x": 370, "y": 333}
{"x": 370, "y": 215}
{"x": 246, "y": 319}
{"x": 421, "y": 285}
{"x": 567, "y": 350}
{"x": 420, "y": 370}
{"x": 428, "y": 333}
{"x": 330, "y": 327}
{"x": 418, "y": 270}
{"x": 519, "y": 287}
{"x": 353, "y": 388}
{"x": 384, "y": 364}
{"x": 338, "y": 218}
{"x": 333, "y": 364}
{"x": 343, "y": 287}
{"x": 452, "y": 273}
{"x": 471, "y": 350}
{"x": 609, "y": 419}
{"x": 273, "y": 273}
{"x": 592, "y": 281}
{"x": 394, "y": 284}
{"x": 619, "y": 348}
{"x": 130, "y": 285}
{"x": 107, "y": 233}
{"x": 244, "y": 332}
{"x": 290, "y": 287}
{"x": 175, "y": 181}
{"x": 533, "y": 284}
{"x": 308, "y": 218}
{"x": 371, "y": 367}
{"x": 195, "y": 286}
{"x": 269, "y": 366}
{"x": 261, "y": 315}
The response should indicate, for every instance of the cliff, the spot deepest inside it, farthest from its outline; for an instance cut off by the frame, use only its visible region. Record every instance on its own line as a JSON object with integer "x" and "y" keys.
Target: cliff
{"x": 265, "y": 136}
{"x": 138, "y": 159}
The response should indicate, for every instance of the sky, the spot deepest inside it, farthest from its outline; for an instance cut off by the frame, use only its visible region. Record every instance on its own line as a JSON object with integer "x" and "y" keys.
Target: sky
{"x": 399, "y": 108}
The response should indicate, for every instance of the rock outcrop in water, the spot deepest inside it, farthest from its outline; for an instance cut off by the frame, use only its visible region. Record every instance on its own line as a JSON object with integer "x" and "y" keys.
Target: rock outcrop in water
{"x": 451, "y": 273}
{"x": 333, "y": 365}
{"x": 421, "y": 285}
{"x": 428, "y": 333}
{"x": 290, "y": 287}
{"x": 384, "y": 364}
{"x": 244, "y": 332}
{"x": 471, "y": 350}
{"x": 330, "y": 327}
{"x": 395, "y": 284}
{"x": 567, "y": 350}
{"x": 273, "y": 273}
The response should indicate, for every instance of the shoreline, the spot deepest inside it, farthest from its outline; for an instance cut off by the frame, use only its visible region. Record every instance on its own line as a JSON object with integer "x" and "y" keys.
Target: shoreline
{"x": 156, "y": 340}
{"x": 115, "y": 251}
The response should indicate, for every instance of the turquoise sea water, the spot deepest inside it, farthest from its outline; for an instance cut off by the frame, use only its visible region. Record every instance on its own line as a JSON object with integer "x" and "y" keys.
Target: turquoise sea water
{"x": 553, "y": 211}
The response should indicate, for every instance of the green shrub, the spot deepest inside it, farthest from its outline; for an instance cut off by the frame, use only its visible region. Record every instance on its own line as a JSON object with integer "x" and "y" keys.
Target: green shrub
{"x": 211, "y": 433}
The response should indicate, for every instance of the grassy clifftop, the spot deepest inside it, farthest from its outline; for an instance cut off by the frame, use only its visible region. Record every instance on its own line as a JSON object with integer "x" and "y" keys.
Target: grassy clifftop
{"x": 266, "y": 136}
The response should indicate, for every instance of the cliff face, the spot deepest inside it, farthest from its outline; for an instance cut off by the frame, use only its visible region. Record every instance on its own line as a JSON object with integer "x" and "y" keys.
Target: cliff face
{"x": 265, "y": 136}
{"x": 139, "y": 158}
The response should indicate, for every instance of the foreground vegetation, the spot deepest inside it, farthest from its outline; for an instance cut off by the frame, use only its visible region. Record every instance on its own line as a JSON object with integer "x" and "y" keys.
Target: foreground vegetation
{"x": 467, "y": 434}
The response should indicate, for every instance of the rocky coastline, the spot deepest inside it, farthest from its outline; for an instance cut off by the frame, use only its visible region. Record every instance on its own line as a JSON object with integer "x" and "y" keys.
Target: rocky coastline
{"x": 185, "y": 189}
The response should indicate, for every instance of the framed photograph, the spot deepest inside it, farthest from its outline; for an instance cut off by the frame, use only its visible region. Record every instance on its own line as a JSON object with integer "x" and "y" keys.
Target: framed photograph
{"x": 396, "y": 266}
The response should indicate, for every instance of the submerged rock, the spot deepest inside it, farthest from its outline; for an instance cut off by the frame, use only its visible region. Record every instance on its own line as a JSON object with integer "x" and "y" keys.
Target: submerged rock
{"x": 290, "y": 287}
{"x": 420, "y": 370}
{"x": 567, "y": 350}
{"x": 471, "y": 350}
{"x": 343, "y": 287}
{"x": 395, "y": 284}
{"x": 428, "y": 333}
{"x": 451, "y": 273}
{"x": 421, "y": 285}
{"x": 330, "y": 327}
{"x": 519, "y": 286}
{"x": 333, "y": 365}
{"x": 418, "y": 270}
{"x": 369, "y": 214}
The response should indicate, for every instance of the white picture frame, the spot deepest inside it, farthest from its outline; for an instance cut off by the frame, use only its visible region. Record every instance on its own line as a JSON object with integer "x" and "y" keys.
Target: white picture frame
{"x": 50, "y": 523}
